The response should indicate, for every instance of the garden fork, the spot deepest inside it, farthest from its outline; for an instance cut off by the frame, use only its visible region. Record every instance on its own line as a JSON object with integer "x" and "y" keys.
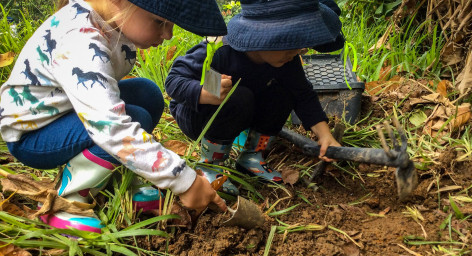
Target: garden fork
{"x": 405, "y": 175}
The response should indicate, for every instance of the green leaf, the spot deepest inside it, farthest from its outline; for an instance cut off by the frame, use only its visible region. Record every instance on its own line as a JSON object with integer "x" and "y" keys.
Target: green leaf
{"x": 122, "y": 250}
{"x": 151, "y": 221}
{"x": 138, "y": 232}
{"x": 456, "y": 209}
{"x": 269, "y": 240}
{"x": 284, "y": 211}
{"x": 418, "y": 118}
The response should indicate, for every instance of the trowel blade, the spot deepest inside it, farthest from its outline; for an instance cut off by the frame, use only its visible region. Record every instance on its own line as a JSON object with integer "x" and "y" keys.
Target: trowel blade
{"x": 246, "y": 215}
{"x": 407, "y": 179}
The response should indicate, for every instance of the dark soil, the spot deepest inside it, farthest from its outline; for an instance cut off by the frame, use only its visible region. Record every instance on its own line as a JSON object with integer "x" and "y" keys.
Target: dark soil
{"x": 347, "y": 204}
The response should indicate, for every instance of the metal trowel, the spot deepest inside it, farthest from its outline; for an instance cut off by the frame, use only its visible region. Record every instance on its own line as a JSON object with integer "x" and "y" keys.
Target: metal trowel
{"x": 246, "y": 213}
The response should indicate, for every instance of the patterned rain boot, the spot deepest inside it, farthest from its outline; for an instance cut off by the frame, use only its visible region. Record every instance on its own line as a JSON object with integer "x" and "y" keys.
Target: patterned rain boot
{"x": 83, "y": 176}
{"x": 145, "y": 199}
{"x": 251, "y": 161}
{"x": 216, "y": 154}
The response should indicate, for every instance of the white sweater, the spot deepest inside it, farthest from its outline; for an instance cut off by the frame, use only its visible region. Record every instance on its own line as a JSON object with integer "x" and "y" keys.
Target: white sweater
{"x": 72, "y": 63}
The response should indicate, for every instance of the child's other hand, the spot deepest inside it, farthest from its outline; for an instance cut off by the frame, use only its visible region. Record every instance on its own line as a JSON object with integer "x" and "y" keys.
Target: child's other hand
{"x": 325, "y": 140}
{"x": 200, "y": 194}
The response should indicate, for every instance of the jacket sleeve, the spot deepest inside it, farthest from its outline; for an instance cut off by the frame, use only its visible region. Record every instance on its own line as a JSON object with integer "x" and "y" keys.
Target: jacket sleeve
{"x": 91, "y": 86}
{"x": 307, "y": 104}
{"x": 183, "y": 80}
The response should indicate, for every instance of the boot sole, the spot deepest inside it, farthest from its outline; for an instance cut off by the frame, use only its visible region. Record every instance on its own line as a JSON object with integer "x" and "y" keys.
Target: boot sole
{"x": 242, "y": 169}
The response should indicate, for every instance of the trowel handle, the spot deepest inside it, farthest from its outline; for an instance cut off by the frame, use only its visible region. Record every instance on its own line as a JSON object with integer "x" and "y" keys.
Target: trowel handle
{"x": 212, "y": 206}
{"x": 363, "y": 155}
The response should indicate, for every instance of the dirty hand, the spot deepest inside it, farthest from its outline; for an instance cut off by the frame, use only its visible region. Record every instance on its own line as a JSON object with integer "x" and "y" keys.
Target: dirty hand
{"x": 200, "y": 194}
{"x": 325, "y": 139}
{"x": 208, "y": 98}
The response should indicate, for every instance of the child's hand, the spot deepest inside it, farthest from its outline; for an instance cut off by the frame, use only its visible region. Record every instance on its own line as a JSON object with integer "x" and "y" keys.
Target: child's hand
{"x": 200, "y": 194}
{"x": 325, "y": 140}
{"x": 226, "y": 85}
{"x": 208, "y": 98}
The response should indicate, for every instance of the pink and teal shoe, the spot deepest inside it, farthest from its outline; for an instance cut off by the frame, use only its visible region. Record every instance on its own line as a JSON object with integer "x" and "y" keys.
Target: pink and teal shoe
{"x": 83, "y": 176}
{"x": 66, "y": 220}
{"x": 146, "y": 199}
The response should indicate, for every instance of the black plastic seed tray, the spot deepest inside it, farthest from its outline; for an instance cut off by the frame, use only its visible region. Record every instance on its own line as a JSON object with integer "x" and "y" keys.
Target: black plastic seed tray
{"x": 327, "y": 75}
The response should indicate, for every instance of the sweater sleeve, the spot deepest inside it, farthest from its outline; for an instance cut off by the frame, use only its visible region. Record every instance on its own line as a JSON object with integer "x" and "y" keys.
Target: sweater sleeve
{"x": 183, "y": 81}
{"x": 91, "y": 86}
{"x": 307, "y": 104}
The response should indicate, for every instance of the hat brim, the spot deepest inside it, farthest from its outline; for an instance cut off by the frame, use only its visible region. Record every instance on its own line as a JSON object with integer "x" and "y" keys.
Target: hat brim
{"x": 304, "y": 30}
{"x": 331, "y": 47}
{"x": 201, "y": 17}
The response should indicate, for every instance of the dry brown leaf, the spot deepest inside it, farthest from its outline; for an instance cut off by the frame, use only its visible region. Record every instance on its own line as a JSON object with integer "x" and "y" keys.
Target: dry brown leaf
{"x": 171, "y": 53}
{"x": 385, "y": 211}
{"x": 290, "y": 176}
{"x": 446, "y": 188}
{"x": 179, "y": 147}
{"x": 12, "y": 209}
{"x": 372, "y": 88}
{"x": 44, "y": 191}
{"x": 433, "y": 97}
{"x": 465, "y": 77}
{"x": 383, "y": 39}
{"x": 169, "y": 118}
{"x": 6, "y": 59}
{"x": 11, "y": 250}
{"x": 463, "y": 116}
{"x": 442, "y": 88}
{"x": 451, "y": 54}
{"x": 384, "y": 72}
{"x": 54, "y": 252}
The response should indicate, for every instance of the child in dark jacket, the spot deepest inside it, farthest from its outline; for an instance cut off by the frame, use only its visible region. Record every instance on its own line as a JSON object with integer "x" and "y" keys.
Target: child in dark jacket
{"x": 262, "y": 51}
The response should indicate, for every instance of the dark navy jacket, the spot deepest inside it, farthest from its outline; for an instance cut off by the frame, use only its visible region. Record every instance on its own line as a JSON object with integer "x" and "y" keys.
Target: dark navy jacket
{"x": 183, "y": 81}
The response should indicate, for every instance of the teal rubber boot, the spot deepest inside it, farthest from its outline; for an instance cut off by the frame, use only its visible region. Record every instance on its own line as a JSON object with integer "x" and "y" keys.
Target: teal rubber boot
{"x": 216, "y": 154}
{"x": 82, "y": 178}
{"x": 251, "y": 160}
{"x": 145, "y": 198}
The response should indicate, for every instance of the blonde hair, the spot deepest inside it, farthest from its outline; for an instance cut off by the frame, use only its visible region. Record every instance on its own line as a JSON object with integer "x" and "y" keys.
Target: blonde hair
{"x": 102, "y": 8}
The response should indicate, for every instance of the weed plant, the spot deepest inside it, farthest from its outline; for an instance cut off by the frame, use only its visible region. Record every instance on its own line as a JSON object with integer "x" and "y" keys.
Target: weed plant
{"x": 410, "y": 50}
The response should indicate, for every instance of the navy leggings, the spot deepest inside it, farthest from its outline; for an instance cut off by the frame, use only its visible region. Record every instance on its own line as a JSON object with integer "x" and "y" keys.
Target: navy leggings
{"x": 61, "y": 140}
{"x": 265, "y": 112}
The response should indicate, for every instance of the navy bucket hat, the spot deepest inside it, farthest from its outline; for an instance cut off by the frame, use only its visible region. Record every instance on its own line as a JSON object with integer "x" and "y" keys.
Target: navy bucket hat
{"x": 201, "y": 17}
{"x": 271, "y": 25}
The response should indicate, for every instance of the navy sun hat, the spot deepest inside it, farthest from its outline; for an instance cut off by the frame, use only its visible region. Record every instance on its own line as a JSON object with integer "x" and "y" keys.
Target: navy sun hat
{"x": 271, "y": 25}
{"x": 201, "y": 17}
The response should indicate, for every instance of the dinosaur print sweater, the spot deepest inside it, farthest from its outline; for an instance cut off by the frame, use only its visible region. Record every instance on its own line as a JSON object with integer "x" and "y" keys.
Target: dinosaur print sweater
{"x": 72, "y": 63}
